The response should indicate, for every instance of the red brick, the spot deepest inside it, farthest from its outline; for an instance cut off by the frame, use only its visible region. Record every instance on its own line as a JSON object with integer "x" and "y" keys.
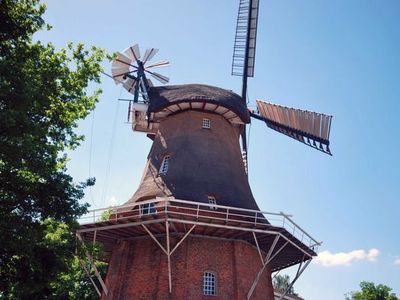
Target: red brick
{"x": 139, "y": 270}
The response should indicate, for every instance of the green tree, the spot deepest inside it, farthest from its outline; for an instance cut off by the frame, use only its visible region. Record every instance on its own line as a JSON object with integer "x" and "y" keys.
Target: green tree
{"x": 72, "y": 282}
{"x": 43, "y": 94}
{"x": 370, "y": 291}
{"x": 282, "y": 282}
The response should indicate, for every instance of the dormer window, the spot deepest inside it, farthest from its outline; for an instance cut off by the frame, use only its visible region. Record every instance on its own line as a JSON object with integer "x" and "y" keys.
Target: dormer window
{"x": 164, "y": 165}
{"x": 213, "y": 202}
{"x": 206, "y": 123}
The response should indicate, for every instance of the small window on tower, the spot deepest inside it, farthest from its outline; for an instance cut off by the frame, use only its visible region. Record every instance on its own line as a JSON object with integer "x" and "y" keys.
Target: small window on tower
{"x": 213, "y": 202}
{"x": 164, "y": 165}
{"x": 206, "y": 123}
{"x": 209, "y": 284}
{"x": 147, "y": 209}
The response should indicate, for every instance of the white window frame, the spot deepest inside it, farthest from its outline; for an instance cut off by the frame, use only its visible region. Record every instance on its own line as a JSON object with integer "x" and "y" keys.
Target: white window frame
{"x": 164, "y": 165}
{"x": 206, "y": 123}
{"x": 148, "y": 209}
{"x": 209, "y": 283}
{"x": 213, "y": 202}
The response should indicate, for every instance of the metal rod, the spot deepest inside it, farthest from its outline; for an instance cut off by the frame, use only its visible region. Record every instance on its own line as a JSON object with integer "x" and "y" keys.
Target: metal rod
{"x": 277, "y": 252}
{"x": 169, "y": 258}
{"x": 258, "y": 248}
{"x": 299, "y": 272}
{"x": 242, "y": 229}
{"x": 154, "y": 238}
{"x": 276, "y": 274}
{"x": 93, "y": 265}
{"x": 124, "y": 225}
{"x": 94, "y": 240}
{"x": 267, "y": 260}
{"x": 183, "y": 238}
{"x": 90, "y": 277}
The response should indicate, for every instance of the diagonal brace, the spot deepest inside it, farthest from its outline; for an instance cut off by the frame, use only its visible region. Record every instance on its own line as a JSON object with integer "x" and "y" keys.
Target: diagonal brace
{"x": 96, "y": 271}
{"x": 265, "y": 262}
{"x": 298, "y": 273}
{"x": 183, "y": 238}
{"x": 88, "y": 275}
{"x": 155, "y": 239}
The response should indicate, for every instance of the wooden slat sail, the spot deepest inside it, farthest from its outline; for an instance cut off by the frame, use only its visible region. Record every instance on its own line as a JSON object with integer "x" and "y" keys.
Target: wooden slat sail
{"x": 305, "y": 126}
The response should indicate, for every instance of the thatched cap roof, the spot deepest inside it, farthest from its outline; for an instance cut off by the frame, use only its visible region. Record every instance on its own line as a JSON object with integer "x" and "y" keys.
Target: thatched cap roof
{"x": 163, "y": 96}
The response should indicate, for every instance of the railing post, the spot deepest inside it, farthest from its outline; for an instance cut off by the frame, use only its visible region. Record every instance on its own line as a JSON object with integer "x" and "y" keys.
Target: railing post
{"x": 255, "y": 219}
{"x": 197, "y": 213}
{"x": 227, "y": 216}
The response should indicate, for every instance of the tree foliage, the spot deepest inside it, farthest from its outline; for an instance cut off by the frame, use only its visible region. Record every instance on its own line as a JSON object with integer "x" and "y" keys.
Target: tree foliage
{"x": 370, "y": 291}
{"x": 72, "y": 282}
{"x": 282, "y": 282}
{"x": 43, "y": 94}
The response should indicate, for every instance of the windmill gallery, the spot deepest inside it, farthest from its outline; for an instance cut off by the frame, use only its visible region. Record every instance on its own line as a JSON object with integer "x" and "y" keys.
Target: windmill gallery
{"x": 193, "y": 229}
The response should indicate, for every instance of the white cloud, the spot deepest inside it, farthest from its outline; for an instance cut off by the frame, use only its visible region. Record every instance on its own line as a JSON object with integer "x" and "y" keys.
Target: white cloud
{"x": 397, "y": 262}
{"x": 328, "y": 259}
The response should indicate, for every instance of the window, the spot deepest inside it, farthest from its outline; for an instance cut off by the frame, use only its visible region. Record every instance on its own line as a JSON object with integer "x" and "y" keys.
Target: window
{"x": 209, "y": 284}
{"x": 147, "y": 209}
{"x": 212, "y": 200}
{"x": 206, "y": 123}
{"x": 164, "y": 165}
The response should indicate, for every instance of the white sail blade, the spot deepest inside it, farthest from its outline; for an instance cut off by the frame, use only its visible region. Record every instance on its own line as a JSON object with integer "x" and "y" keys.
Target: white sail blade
{"x": 133, "y": 52}
{"x": 149, "y": 54}
{"x": 161, "y": 78}
{"x": 162, "y": 63}
{"x": 120, "y": 66}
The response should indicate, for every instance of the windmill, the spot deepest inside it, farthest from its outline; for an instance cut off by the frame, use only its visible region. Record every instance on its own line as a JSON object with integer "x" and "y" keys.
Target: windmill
{"x": 129, "y": 69}
{"x": 193, "y": 229}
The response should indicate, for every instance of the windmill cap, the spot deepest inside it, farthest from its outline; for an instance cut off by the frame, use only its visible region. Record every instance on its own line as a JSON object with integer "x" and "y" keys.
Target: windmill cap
{"x": 199, "y": 97}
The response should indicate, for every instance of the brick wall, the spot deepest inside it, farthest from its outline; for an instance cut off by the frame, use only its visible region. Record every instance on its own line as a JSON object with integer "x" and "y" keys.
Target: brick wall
{"x": 139, "y": 270}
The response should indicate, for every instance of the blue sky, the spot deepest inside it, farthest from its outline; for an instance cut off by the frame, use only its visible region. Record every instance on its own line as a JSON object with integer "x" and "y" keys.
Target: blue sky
{"x": 336, "y": 57}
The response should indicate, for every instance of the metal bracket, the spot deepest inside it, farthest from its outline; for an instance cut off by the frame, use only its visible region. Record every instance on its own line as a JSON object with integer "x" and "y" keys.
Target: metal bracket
{"x": 168, "y": 251}
{"x": 300, "y": 270}
{"x": 266, "y": 261}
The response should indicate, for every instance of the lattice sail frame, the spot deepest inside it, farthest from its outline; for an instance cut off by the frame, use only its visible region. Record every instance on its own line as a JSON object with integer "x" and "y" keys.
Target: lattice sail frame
{"x": 244, "y": 49}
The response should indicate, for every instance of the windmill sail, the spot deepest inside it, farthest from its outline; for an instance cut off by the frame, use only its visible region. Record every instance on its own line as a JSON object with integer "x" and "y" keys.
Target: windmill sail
{"x": 244, "y": 50}
{"x": 307, "y": 127}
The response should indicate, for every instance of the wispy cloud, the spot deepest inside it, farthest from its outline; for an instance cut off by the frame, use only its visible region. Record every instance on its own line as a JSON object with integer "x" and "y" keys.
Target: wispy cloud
{"x": 328, "y": 259}
{"x": 397, "y": 262}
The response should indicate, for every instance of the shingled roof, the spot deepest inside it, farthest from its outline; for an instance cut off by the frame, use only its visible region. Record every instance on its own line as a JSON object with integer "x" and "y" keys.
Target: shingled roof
{"x": 163, "y": 96}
